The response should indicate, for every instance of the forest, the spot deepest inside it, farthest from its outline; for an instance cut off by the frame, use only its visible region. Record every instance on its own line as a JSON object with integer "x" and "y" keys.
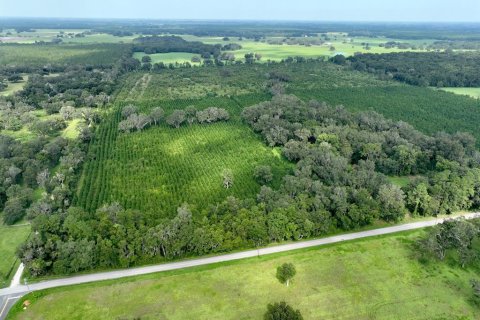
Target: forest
{"x": 436, "y": 69}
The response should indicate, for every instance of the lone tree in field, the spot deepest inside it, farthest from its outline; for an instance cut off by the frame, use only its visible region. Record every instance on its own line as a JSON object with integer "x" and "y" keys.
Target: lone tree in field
{"x": 282, "y": 311}
{"x": 227, "y": 178}
{"x": 286, "y": 272}
{"x": 146, "y": 59}
{"x": 176, "y": 118}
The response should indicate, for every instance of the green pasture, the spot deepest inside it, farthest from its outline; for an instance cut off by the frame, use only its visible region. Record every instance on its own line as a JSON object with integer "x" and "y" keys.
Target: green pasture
{"x": 471, "y": 92}
{"x": 374, "y": 278}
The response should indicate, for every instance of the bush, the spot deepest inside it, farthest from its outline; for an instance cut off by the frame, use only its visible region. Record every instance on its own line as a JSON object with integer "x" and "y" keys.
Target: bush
{"x": 282, "y": 311}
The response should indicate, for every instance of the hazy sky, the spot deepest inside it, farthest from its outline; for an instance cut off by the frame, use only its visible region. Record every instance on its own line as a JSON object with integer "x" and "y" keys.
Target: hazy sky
{"x": 318, "y": 10}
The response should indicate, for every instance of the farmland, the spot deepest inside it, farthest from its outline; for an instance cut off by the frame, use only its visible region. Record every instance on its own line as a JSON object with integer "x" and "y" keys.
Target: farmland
{"x": 169, "y": 166}
{"x": 33, "y": 55}
{"x": 120, "y": 161}
{"x": 158, "y": 169}
{"x": 355, "y": 280}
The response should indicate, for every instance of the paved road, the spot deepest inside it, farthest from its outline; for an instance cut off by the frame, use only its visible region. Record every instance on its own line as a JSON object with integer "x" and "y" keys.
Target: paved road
{"x": 20, "y": 290}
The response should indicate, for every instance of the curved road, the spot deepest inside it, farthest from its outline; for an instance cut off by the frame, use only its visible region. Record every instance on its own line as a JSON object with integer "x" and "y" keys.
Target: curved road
{"x": 9, "y": 295}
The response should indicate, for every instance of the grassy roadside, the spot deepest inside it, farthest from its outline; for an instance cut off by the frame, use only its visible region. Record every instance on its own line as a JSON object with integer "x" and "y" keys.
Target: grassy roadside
{"x": 10, "y": 238}
{"x": 378, "y": 224}
{"x": 359, "y": 279}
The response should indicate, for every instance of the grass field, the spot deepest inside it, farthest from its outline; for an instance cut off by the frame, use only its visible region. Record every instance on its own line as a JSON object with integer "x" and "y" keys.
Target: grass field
{"x": 10, "y": 238}
{"x": 376, "y": 278}
{"x": 275, "y": 52}
{"x": 167, "y": 58}
{"x": 471, "y": 92}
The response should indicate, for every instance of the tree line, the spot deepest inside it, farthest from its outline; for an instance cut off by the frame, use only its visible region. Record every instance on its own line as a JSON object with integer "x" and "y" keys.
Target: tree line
{"x": 439, "y": 69}
{"x": 135, "y": 120}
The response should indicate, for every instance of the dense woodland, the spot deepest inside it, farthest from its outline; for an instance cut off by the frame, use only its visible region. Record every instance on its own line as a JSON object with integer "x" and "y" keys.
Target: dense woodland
{"x": 164, "y": 44}
{"x": 439, "y": 69}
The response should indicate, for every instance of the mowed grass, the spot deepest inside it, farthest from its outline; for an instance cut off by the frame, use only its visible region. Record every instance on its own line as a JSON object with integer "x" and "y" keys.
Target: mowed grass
{"x": 375, "y": 278}
{"x": 167, "y": 58}
{"x": 471, "y": 92}
{"x": 10, "y": 238}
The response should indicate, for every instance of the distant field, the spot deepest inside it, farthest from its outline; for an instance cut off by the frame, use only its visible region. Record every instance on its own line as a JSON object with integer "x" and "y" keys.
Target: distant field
{"x": 10, "y": 238}
{"x": 168, "y": 58}
{"x": 48, "y": 35}
{"x": 30, "y": 54}
{"x": 341, "y": 45}
{"x": 376, "y": 278}
{"x": 471, "y": 92}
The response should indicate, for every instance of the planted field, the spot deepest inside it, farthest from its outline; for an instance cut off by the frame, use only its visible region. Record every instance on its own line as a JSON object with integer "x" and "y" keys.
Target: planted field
{"x": 160, "y": 168}
{"x": 376, "y": 278}
{"x": 30, "y": 54}
{"x": 428, "y": 110}
{"x": 10, "y": 238}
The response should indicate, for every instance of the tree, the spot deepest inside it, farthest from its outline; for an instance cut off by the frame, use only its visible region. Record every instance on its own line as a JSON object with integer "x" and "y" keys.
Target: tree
{"x": 129, "y": 110}
{"x": 14, "y": 210}
{"x": 176, "y": 118}
{"x": 146, "y": 59}
{"x": 67, "y": 112}
{"x": 286, "y": 272}
{"x": 227, "y": 178}
{"x": 190, "y": 113}
{"x": 392, "y": 202}
{"x": 263, "y": 174}
{"x": 419, "y": 201}
{"x": 157, "y": 115}
{"x": 476, "y": 288}
{"x": 282, "y": 311}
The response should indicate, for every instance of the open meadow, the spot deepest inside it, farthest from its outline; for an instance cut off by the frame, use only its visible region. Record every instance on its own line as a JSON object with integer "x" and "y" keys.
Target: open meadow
{"x": 375, "y": 278}
{"x": 471, "y": 92}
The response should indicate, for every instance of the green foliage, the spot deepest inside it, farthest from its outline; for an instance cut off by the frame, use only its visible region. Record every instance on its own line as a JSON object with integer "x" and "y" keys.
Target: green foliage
{"x": 282, "y": 311}
{"x": 286, "y": 272}
{"x": 456, "y": 240}
{"x": 439, "y": 69}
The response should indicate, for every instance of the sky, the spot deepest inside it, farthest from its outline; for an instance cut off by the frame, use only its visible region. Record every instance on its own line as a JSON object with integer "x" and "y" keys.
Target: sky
{"x": 312, "y": 10}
